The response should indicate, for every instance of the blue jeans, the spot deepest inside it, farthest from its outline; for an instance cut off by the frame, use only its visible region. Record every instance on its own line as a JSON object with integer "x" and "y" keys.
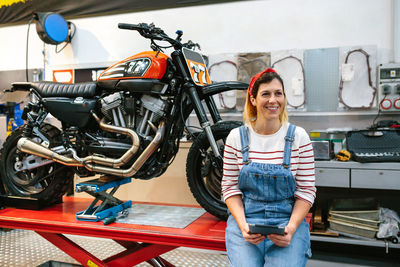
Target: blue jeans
{"x": 244, "y": 254}
{"x": 268, "y": 191}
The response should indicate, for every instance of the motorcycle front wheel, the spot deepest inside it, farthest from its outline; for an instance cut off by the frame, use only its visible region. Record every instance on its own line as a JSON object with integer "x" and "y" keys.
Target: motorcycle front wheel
{"x": 48, "y": 183}
{"x": 204, "y": 170}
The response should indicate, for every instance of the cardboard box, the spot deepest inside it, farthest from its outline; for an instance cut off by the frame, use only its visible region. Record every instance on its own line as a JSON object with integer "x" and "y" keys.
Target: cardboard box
{"x": 356, "y": 229}
{"x": 15, "y": 97}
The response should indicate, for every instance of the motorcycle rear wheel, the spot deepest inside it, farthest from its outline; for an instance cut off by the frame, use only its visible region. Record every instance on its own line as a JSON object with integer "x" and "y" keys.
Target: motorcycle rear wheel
{"x": 204, "y": 170}
{"x": 48, "y": 183}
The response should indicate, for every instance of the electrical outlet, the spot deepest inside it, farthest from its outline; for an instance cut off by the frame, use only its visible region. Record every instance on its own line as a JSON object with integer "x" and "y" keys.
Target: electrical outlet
{"x": 397, "y": 89}
{"x": 386, "y": 89}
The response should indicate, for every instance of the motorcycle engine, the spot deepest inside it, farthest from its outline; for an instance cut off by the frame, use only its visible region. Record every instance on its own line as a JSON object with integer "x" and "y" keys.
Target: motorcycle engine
{"x": 134, "y": 113}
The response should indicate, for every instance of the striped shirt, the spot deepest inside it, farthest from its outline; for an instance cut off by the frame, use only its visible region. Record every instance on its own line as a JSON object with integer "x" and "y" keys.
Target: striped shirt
{"x": 269, "y": 149}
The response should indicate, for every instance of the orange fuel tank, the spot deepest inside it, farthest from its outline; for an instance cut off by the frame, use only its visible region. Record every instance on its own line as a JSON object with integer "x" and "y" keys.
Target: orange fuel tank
{"x": 145, "y": 65}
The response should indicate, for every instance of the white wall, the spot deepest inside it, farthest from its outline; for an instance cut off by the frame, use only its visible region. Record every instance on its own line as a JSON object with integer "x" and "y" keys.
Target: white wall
{"x": 248, "y": 26}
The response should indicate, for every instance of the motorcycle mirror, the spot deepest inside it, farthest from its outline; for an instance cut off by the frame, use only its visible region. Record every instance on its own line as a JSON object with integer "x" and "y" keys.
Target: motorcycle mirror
{"x": 179, "y": 33}
{"x": 198, "y": 46}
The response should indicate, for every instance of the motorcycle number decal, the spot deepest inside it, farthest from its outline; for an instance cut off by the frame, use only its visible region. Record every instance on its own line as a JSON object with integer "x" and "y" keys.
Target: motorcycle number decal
{"x": 197, "y": 67}
{"x": 133, "y": 68}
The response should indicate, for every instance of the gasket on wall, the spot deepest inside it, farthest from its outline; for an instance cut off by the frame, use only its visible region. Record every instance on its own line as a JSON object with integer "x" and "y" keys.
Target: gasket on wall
{"x": 304, "y": 79}
{"x": 369, "y": 80}
{"x": 249, "y": 64}
{"x": 220, "y": 95}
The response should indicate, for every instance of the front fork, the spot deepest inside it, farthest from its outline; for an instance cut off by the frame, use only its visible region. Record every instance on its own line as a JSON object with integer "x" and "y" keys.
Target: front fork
{"x": 202, "y": 116}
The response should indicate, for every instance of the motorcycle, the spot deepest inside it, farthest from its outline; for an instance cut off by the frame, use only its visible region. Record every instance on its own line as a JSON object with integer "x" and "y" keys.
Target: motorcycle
{"x": 128, "y": 123}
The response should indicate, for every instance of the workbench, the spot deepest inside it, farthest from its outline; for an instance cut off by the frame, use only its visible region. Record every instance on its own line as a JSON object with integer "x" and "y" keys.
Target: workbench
{"x": 141, "y": 243}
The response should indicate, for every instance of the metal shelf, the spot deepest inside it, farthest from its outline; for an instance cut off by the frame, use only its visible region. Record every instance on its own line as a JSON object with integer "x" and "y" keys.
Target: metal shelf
{"x": 291, "y": 113}
{"x": 357, "y": 165}
{"x": 335, "y": 113}
{"x": 354, "y": 241}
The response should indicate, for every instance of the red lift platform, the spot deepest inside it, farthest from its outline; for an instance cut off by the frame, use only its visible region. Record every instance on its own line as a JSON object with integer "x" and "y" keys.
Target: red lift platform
{"x": 142, "y": 243}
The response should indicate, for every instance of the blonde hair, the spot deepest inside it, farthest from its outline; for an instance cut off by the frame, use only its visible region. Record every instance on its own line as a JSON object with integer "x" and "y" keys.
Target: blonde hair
{"x": 250, "y": 111}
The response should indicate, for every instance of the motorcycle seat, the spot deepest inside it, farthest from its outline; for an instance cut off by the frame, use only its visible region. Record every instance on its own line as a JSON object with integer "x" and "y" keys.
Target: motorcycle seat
{"x": 54, "y": 89}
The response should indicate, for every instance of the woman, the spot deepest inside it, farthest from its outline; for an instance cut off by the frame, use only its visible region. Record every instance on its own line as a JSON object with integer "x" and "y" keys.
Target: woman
{"x": 268, "y": 179}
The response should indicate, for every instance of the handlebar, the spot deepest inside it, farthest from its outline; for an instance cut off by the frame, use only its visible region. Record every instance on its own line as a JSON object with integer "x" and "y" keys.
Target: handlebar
{"x": 154, "y": 33}
{"x": 150, "y": 31}
{"x": 141, "y": 27}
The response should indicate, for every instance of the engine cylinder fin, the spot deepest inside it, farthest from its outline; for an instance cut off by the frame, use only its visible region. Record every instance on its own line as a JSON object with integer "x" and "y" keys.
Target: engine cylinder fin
{"x": 121, "y": 117}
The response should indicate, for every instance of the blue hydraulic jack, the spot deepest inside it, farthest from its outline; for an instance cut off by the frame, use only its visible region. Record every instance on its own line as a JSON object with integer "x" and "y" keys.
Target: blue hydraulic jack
{"x": 110, "y": 206}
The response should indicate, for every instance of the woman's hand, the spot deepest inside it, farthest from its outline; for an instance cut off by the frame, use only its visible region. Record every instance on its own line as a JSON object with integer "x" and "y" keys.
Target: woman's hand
{"x": 283, "y": 240}
{"x": 251, "y": 238}
{"x": 299, "y": 212}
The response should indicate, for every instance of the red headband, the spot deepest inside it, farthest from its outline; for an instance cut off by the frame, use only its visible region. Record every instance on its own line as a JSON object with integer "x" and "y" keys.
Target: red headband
{"x": 255, "y": 78}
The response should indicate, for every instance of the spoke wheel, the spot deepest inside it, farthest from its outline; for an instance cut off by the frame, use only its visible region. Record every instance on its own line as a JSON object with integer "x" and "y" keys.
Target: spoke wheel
{"x": 204, "y": 170}
{"x": 48, "y": 182}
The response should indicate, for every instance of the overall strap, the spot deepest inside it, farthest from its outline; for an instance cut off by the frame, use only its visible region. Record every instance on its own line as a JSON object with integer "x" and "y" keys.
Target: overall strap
{"x": 289, "y": 138}
{"x": 244, "y": 140}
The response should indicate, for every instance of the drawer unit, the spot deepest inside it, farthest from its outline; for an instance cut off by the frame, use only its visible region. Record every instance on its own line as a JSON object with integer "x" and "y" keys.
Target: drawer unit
{"x": 375, "y": 179}
{"x": 332, "y": 177}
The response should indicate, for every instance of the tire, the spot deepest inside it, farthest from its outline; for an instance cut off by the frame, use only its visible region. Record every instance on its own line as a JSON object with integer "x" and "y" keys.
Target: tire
{"x": 202, "y": 171}
{"x": 22, "y": 183}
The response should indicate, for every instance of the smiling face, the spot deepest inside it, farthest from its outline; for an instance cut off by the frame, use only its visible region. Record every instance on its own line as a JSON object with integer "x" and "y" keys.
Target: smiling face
{"x": 269, "y": 101}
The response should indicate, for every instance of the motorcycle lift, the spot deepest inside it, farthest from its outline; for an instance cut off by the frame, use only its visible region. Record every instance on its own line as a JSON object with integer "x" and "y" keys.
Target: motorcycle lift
{"x": 142, "y": 243}
{"x": 110, "y": 206}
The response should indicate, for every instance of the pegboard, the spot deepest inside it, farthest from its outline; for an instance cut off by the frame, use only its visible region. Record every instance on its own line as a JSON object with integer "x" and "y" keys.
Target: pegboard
{"x": 321, "y": 67}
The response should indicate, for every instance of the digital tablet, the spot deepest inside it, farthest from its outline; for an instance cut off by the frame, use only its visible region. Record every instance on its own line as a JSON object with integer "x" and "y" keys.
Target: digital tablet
{"x": 266, "y": 229}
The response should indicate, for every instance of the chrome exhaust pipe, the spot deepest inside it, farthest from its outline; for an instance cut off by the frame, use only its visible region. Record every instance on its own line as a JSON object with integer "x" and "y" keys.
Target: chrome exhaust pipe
{"x": 139, "y": 161}
{"x": 125, "y": 157}
{"x": 26, "y": 145}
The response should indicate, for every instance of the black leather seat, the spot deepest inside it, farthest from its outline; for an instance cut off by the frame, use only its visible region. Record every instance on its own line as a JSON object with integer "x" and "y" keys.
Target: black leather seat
{"x": 54, "y": 89}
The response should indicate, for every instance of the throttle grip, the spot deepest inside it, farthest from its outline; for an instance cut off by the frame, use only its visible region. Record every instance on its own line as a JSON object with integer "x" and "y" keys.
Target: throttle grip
{"x": 127, "y": 26}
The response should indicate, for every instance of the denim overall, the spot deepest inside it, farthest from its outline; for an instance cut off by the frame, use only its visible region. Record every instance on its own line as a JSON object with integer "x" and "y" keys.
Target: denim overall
{"x": 268, "y": 198}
